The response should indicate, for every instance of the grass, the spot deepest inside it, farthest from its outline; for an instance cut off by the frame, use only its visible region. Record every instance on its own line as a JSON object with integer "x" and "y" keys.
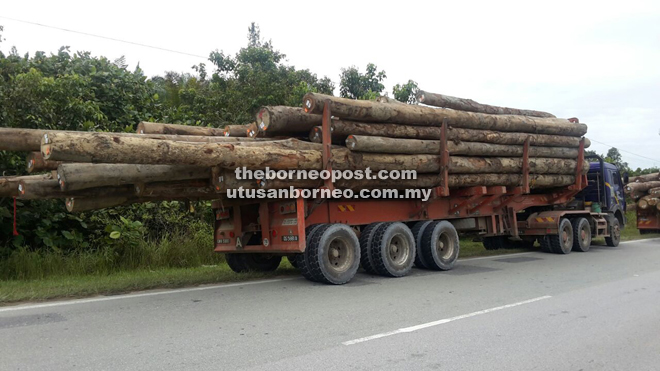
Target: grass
{"x": 175, "y": 261}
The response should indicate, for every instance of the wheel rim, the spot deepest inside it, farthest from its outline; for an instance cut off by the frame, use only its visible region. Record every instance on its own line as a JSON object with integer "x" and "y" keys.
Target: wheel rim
{"x": 566, "y": 238}
{"x": 445, "y": 247}
{"x": 398, "y": 250}
{"x": 616, "y": 232}
{"x": 585, "y": 236}
{"x": 340, "y": 255}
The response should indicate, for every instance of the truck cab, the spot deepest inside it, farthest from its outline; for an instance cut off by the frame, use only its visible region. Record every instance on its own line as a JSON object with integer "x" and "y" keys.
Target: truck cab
{"x": 605, "y": 189}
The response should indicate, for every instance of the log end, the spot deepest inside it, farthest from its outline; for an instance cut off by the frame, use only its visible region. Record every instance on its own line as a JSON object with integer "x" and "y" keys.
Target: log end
{"x": 46, "y": 151}
{"x": 351, "y": 142}
{"x": 140, "y": 128}
{"x": 309, "y": 103}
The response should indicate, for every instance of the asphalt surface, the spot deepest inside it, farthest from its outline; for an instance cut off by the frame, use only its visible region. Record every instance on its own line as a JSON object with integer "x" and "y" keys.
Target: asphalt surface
{"x": 583, "y": 311}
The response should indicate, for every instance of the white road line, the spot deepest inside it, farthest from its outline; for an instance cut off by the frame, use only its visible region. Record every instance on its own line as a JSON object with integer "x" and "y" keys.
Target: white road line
{"x": 141, "y": 295}
{"x": 441, "y": 322}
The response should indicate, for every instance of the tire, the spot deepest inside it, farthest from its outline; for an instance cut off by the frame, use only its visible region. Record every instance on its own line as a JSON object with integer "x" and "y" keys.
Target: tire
{"x": 493, "y": 243}
{"x": 333, "y": 254}
{"x": 418, "y": 231}
{"x": 236, "y": 262}
{"x": 255, "y": 262}
{"x": 302, "y": 259}
{"x": 581, "y": 234}
{"x": 366, "y": 260}
{"x": 440, "y": 245}
{"x": 615, "y": 234}
{"x": 293, "y": 260}
{"x": 562, "y": 242}
{"x": 393, "y": 250}
{"x": 262, "y": 262}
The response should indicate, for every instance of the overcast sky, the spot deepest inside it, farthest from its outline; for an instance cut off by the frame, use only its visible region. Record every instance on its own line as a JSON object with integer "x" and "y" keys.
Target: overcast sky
{"x": 598, "y": 61}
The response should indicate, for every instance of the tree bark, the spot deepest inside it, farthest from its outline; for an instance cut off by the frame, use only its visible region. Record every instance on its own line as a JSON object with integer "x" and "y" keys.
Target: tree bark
{"x": 191, "y": 190}
{"x": 346, "y": 128}
{"x": 285, "y": 120}
{"x": 74, "y": 177}
{"x": 174, "y": 129}
{"x": 36, "y": 163}
{"x": 236, "y": 130}
{"x": 369, "y": 111}
{"x": 462, "y": 104}
{"x": 9, "y": 184}
{"x": 644, "y": 178}
{"x": 641, "y": 187}
{"x": 414, "y": 146}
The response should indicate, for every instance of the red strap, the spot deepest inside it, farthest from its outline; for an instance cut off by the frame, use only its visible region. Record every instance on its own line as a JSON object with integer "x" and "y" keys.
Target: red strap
{"x": 15, "y": 231}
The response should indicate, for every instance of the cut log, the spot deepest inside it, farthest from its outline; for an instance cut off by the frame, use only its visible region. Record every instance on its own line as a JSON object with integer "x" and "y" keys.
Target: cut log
{"x": 36, "y": 163}
{"x": 654, "y": 191}
{"x": 316, "y": 136}
{"x": 641, "y": 187}
{"x": 9, "y": 184}
{"x": 361, "y": 143}
{"x": 462, "y": 104}
{"x": 192, "y": 190}
{"x": 252, "y": 130}
{"x": 644, "y": 178}
{"x": 369, "y": 111}
{"x": 29, "y": 140}
{"x": 174, "y": 129}
{"x": 235, "y": 131}
{"x": 275, "y": 155}
{"x": 647, "y": 202}
{"x": 282, "y": 119}
{"x": 32, "y": 189}
{"x": 77, "y": 204}
{"x": 72, "y": 177}
{"x": 346, "y": 128}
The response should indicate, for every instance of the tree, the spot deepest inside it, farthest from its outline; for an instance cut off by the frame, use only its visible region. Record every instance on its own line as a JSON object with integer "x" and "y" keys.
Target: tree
{"x": 406, "y": 93}
{"x": 356, "y": 85}
{"x": 614, "y": 157}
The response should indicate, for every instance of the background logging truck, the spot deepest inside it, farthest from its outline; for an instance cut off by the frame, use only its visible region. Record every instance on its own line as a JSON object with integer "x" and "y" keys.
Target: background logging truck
{"x": 329, "y": 239}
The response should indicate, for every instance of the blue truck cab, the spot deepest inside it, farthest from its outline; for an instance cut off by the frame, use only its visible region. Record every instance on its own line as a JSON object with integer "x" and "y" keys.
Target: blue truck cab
{"x": 605, "y": 189}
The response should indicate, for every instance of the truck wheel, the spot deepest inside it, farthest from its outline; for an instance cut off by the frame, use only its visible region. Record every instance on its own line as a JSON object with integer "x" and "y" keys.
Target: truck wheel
{"x": 393, "y": 249}
{"x": 615, "y": 234}
{"x": 240, "y": 263}
{"x": 236, "y": 262}
{"x": 293, "y": 260}
{"x": 581, "y": 234}
{"x": 366, "y": 236}
{"x": 262, "y": 262}
{"x": 418, "y": 231}
{"x": 493, "y": 243}
{"x": 302, "y": 259}
{"x": 440, "y": 245}
{"x": 562, "y": 243}
{"x": 333, "y": 254}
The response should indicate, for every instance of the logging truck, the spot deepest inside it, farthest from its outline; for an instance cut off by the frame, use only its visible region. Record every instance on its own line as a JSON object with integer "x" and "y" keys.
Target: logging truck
{"x": 329, "y": 239}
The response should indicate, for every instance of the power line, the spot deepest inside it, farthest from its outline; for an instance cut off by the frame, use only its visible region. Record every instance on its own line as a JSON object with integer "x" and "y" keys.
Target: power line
{"x": 623, "y": 150}
{"x": 105, "y": 37}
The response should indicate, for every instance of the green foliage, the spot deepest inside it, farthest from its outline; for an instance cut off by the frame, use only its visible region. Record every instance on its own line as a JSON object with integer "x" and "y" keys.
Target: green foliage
{"x": 406, "y": 93}
{"x": 356, "y": 85}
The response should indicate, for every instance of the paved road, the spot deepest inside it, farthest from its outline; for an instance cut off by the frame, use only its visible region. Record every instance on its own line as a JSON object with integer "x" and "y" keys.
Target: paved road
{"x": 585, "y": 311}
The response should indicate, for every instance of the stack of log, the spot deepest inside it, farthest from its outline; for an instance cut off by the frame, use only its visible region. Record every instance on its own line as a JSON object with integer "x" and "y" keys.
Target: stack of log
{"x": 645, "y": 190}
{"x": 485, "y": 145}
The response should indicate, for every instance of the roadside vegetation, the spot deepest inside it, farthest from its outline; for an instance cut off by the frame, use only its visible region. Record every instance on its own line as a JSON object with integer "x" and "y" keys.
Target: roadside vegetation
{"x": 167, "y": 244}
